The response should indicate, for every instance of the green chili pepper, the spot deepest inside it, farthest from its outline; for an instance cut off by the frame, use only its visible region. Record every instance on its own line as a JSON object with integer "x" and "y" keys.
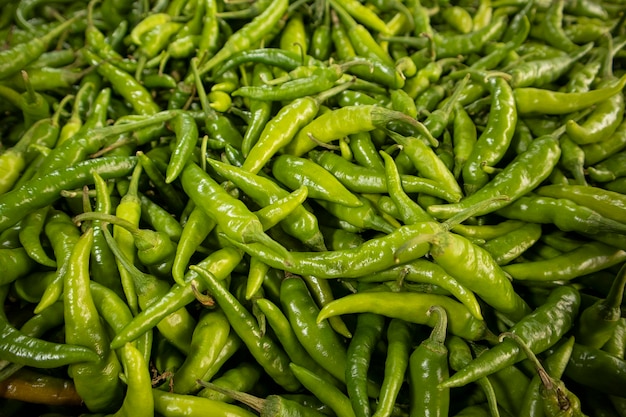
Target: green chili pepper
{"x": 518, "y": 178}
{"x": 396, "y": 364}
{"x": 510, "y": 246}
{"x": 195, "y": 230}
{"x": 269, "y": 355}
{"x": 427, "y": 163}
{"x": 481, "y": 274}
{"x": 18, "y": 57}
{"x": 242, "y": 377}
{"x": 301, "y": 224}
{"x": 368, "y": 331}
{"x": 20, "y": 348}
{"x": 557, "y": 399}
{"x": 97, "y": 383}
{"x": 530, "y": 100}
{"x": 209, "y": 337}
{"x": 556, "y": 316}
{"x": 563, "y": 213}
{"x": 342, "y": 122}
{"x": 177, "y": 326}
{"x": 328, "y": 394}
{"x": 288, "y": 339}
{"x": 411, "y": 307}
{"x": 428, "y": 367}
{"x": 362, "y": 179}
{"x": 63, "y": 235}
{"x": 459, "y": 355}
{"x": 295, "y": 171}
{"x": 170, "y": 405}
{"x": 318, "y": 340}
{"x": 230, "y": 214}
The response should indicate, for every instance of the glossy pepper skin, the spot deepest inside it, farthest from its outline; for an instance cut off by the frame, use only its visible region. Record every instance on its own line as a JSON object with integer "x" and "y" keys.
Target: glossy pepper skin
{"x": 428, "y": 367}
{"x": 540, "y": 329}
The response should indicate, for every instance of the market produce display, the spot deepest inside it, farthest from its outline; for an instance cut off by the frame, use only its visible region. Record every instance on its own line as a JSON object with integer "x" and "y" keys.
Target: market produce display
{"x": 351, "y": 208}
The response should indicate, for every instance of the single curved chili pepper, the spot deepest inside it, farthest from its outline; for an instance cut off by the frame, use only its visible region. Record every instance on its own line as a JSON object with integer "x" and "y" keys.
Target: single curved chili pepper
{"x": 30, "y": 239}
{"x": 599, "y": 151}
{"x": 608, "y": 170}
{"x": 97, "y": 383}
{"x": 296, "y": 171}
{"x": 195, "y": 230}
{"x": 509, "y": 246}
{"x": 410, "y": 211}
{"x": 598, "y": 321}
{"x": 322, "y": 293}
{"x": 137, "y": 399}
{"x": 63, "y": 236}
{"x": 362, "y": 179}
{"x": 463, "y": 44}
{"x": 458, "y": 18}
{"x": 240, "y": 224}
{"x": 494, "y": 141}
{"x": 563, "y": 213}
{"x": 326, "y": 393}
{"x": 427, "y": 163}
{"x": 573, "y": 159}
{"x": 589, "y": 257}
{"x": 601, "y": 123}
{"x": 18, "y": 57}
{"x": 169, "y": 404}
{"x": 608, "y": 203}
{"x": 396, "y": 363}
{"x": 209, "y": 337}
{"x": 540, "y": 329}
{"x": 123, "y": 84}
{"x": 346, "y": 121}
{"x": 518, "y": 178}
{"x": 551, "y": 28}
{"x": 302, "y": 224}
{"x": 129, "y": 209}
{"x": 463, "y": 139}
{"x": 411, "y": 307}
{"x": 428, "y": 367}
{"x": 530, "y": 100}
{"x": 368, "y": 331}
{"x": 186, "y": 132}
{"x": 269, "y": 355}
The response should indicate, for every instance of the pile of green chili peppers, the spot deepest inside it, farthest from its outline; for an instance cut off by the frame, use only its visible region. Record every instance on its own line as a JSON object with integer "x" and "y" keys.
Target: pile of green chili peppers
{"x": 346, "y": 208}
